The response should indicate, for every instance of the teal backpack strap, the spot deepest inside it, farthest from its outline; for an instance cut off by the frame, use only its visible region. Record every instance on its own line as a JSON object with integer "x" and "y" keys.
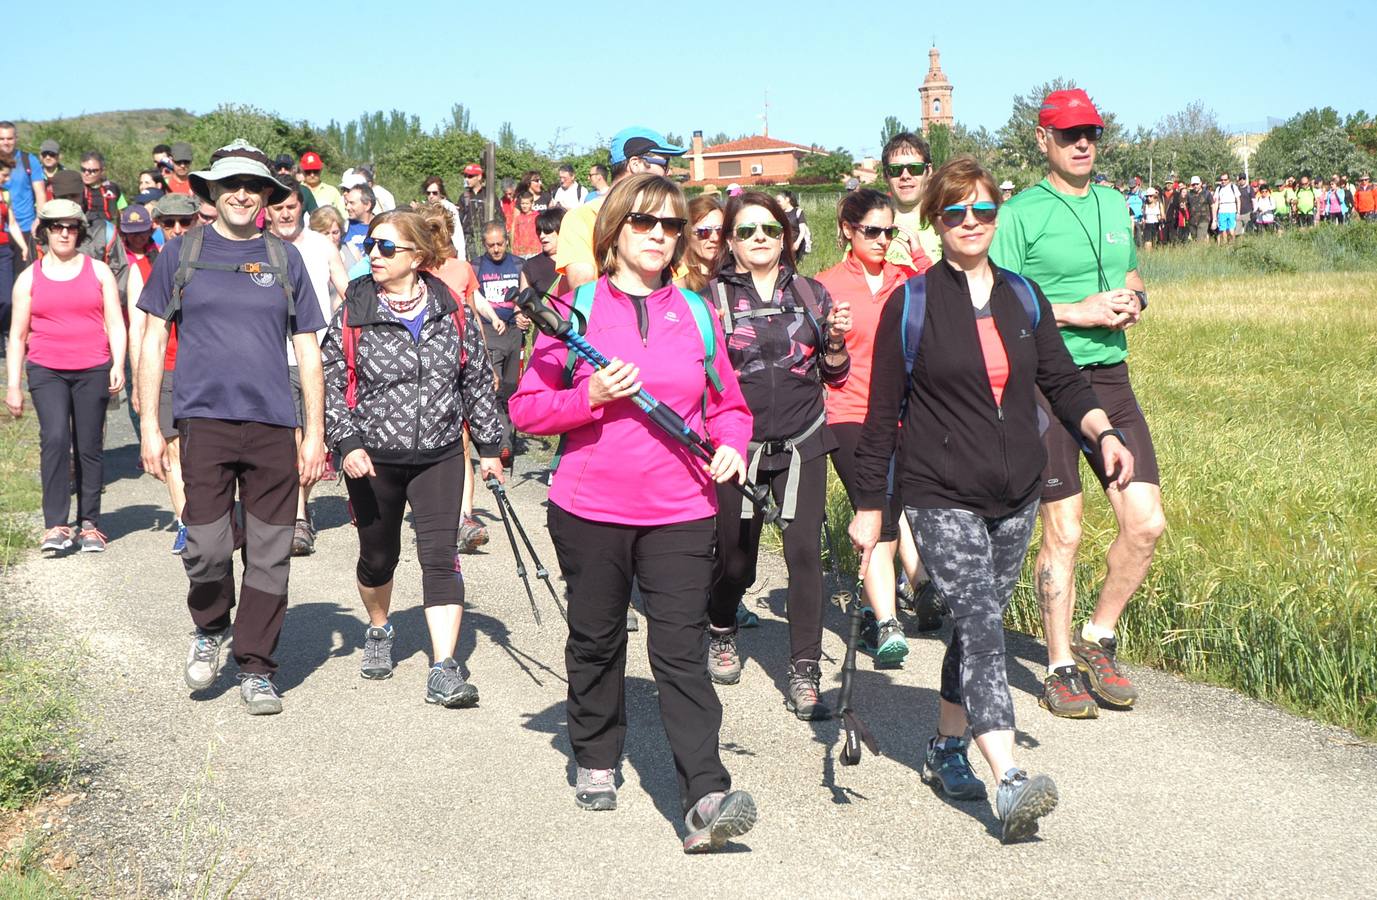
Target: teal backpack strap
{"x": 702, "y": 316}
{"x": 583, "y": 306}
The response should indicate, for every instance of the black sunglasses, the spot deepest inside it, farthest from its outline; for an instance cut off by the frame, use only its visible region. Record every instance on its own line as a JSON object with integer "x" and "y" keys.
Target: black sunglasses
{"x": 243, "y": 183}
{"x": 170, "y": 221}
{"x": 644, "y": 223}
{"x": 897, "y": 170}
{"x": 1091, "y": 133}
{"x": 985, "y": 212}
{"x": 388, "y": 249}
{"x": 745, "y": 231}
{"x": 871, "y": 232}
{"x": 87, "y": 171}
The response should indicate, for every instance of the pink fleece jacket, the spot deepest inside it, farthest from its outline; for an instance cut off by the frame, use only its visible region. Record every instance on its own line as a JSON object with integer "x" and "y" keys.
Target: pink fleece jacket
{"x": 618, "y": 466}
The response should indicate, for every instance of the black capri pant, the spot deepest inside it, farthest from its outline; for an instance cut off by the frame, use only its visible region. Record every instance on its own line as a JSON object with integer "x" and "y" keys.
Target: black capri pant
{"x": 379, "y": 503}
{"x": 848, "y": 435}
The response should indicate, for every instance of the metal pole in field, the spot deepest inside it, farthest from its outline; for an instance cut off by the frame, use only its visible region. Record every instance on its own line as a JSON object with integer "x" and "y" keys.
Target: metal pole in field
{"x": 489, "y": 182}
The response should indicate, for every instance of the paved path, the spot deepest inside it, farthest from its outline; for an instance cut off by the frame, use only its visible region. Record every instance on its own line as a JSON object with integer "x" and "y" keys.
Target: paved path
{"x": 359, "y": 789}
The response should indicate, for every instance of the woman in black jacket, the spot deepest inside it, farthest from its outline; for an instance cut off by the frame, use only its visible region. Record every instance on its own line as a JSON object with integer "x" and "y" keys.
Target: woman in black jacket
{"x": 404, "y": 370}
{"x": 970, "y": 468}
{"x": 785, "y": 338}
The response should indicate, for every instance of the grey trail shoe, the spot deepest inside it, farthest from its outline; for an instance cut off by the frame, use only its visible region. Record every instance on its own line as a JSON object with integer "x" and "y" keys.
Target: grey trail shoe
{"x": 446, "y": 687}
{"x": 805, "y": 679}
{"x": 203, "y": 659}
{"x": 377, "y": 653}
{"x": 716, "y": 818}
{"x": 596, "y": 789}
{"x": 724, "y": 663}
{"x": 1021, "y": 801}
{"x": 259, "y": 695}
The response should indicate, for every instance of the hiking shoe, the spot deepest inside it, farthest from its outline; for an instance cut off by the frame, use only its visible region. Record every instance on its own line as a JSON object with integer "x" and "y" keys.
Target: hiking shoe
{"x": 1097, "y": 661}
{"x": 259, "y": 695}
{"x": 632, "y": 623}
{"x": 1064, "y": 695}
{"x": 377, "y": 653}
{"x": 948, "y": 770}
{"x": 90, "y": 539}
{"x": 1021, "y": 801}
{"x": 56, "y": 539}
{"x": 928, "y": 608}
{"x": 203, "y": 659}
{"x": 303, "y": 538}
{"x": 179, "y": 542}
{"x": 472, "y": 535}
{"x": 717, "y": 817}
{"x": 448, "y": 688}
{"x": 805, "y": 678}
{"x": 744, "y": 617}
{"x": 724, "y": 663}
{"x": 596, "y": 789}
{"x": 890, "y": 644}
{"x": 870, "y": 631}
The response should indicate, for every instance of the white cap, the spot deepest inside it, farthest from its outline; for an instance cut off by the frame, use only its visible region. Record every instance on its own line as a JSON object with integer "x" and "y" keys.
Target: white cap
{"x": 1006, "y": 185}
{"x": 1195, "y": 179}
{"x": 351, "y": 179}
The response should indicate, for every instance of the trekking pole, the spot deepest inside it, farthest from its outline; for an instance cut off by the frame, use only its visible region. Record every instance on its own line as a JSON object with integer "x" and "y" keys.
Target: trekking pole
{"x": 516, "y": 552}
{"x": 510, "y": 518}
{"x": 550, "y": 323}
{"x": 855, "y": 730}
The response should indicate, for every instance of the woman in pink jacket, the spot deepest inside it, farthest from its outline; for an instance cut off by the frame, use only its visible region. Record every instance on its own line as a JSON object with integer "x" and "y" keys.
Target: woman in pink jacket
{"x": 627, "y": 501}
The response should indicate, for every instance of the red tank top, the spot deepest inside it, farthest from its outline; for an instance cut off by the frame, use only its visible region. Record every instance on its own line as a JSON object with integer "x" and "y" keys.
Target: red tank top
{"x": 67, "y": 320}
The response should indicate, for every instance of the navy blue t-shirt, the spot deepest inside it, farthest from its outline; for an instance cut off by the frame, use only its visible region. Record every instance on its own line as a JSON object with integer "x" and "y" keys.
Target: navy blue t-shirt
{"x": 495, "y": 279}
{"x": 231, "y": 338}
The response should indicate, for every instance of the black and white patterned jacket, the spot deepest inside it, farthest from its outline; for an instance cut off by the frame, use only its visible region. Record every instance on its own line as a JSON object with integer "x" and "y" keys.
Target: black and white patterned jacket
{"x": 413, "y": 398}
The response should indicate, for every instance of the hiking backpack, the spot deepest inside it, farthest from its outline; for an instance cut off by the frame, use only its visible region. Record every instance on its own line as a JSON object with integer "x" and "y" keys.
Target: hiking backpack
{"x": 189, "y": 260}
{"x": 811, "y": 309}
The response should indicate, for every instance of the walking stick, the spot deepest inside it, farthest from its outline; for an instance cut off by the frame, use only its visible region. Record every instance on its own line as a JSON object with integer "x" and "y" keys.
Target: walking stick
{"x": 550, "y": 323}
{"x": 510, "y": 518}
{"x": 855, "y": 731}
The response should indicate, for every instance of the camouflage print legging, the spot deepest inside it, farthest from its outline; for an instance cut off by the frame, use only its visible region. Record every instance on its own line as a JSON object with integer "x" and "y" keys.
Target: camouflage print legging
{"x": 974, "y": 562}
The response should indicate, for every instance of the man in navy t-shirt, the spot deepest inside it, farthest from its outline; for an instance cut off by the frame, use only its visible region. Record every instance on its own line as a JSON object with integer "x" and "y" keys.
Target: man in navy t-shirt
{"x": 235, "y": 414}
{"x": 498, "y": 273}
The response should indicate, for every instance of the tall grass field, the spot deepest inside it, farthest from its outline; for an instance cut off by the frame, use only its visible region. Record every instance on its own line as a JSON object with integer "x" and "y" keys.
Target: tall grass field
{"x": 1255, "y": 365}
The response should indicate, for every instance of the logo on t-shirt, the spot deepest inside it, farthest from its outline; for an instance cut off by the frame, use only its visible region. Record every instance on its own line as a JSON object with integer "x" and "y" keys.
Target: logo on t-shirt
{"x": 263, "y": 279}
{"x": 1115, "y": 237}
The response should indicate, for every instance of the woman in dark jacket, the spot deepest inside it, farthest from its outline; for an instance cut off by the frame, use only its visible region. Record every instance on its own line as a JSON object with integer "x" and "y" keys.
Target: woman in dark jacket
{"x": 404, "y": 370}
{"x": 786, "y": 338}
{"x": 970, "y": 469}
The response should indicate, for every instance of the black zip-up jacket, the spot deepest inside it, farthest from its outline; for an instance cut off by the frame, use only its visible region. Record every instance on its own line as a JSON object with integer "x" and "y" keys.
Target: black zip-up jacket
{"x": 413, "y": 398}
{"x": 778, "y": 361}
{"x": 960, "y": 450}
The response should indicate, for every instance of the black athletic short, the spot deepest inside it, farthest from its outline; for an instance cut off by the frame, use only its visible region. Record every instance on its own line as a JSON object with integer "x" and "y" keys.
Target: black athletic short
{"x": 1061, "y": 478}
{"x": 848, "y": 436}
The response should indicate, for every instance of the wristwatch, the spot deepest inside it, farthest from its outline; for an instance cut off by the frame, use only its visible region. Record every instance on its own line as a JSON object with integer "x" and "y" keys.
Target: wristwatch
{"x": 1099, "y": 439}
{"x": 1142, "y": 299}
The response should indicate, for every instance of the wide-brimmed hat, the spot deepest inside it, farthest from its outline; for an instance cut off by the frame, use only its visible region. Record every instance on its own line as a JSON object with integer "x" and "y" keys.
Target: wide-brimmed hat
{"x": 55, "y": 210}
{"x": 239, "y": 157}
{"x": 135, "y": 218}
{"x": 1006, "y": 185}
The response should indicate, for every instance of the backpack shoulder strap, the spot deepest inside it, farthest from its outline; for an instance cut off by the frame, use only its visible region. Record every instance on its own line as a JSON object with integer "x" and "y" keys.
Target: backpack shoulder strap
{"x": 349, "y": 343}
{"x": 583, "y": 306}
{"x": 804, "y": 288}
{"x": 724, "y": 306}
{"x": 702, "y": 316}
{"x": 277, "y": 258}
{"x": 1026, "y": 296}
{"x": 915, "y": 318}
{"x": 187, "y": 257}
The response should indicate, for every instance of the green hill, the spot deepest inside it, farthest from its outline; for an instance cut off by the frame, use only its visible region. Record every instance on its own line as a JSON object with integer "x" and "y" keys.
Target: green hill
{"x": 125, "y": 137}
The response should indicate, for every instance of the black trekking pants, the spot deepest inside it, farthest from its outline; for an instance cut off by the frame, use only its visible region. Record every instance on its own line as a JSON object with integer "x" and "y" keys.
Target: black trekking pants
{"x": 974, "y": 562}
{"x": 504, "y": 351}
{"x": 70, "y": 405}
{"x": 738, "y": 546}
{"x": 672, "y": 564}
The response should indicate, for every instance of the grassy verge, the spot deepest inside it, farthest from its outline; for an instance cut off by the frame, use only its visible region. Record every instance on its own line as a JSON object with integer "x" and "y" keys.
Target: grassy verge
{"x": 20, "y": 493}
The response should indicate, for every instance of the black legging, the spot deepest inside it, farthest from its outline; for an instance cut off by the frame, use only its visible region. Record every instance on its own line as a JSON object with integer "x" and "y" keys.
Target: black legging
{"x": 70, "y": 405}
{"x": 379, "y": 503}
{"x": 738, "y": 544}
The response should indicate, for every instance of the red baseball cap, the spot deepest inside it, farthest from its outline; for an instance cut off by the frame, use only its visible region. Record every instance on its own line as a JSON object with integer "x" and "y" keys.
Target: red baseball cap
{"x": 1066, "y": 109}
{"x": 473, "y": 169}
{"x": 310, "y": 161}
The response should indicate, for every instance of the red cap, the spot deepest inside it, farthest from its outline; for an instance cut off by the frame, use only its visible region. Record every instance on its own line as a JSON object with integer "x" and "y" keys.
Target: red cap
{"x": 473, "y": 169}
{"x": 310, "y": 161}
{"x": 1067, "y": 109}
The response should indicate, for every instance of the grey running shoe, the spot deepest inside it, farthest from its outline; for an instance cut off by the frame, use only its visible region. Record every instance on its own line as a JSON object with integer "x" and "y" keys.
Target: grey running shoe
{"x": 802, "y": 700}
{"x": 56, "y": 539}
{"x": 724, "y": 663}
{"x": 1021, "y": 801}
{"x": 377, "y": 653}
{"x": 632, "y": 623}
{"x": 203, "y": 659}
{"x": 259, "y": 695}
{"x": 596, "y": 789}
{"x": 947, "y": 769}
{"x": 303, "y": 538}
{"x": 90, "y": 539}
{"x": 446, "y": 687}
{"x": 716, "y": 818}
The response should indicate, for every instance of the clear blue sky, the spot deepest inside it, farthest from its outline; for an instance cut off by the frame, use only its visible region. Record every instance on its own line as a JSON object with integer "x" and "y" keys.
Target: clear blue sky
{"x": 558, "y": 71}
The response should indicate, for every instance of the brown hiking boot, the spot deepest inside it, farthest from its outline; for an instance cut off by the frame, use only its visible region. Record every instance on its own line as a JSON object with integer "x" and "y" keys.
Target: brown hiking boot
{"x": 1097, "y": 661}
{"x": 1064, "y": 695}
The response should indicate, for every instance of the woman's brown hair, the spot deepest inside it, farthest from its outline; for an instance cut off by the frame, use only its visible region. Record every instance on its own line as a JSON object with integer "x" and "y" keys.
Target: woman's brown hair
{"x": 698, "y": 269}
{"x": 952, "y": 183}
{"x": 441, "y": 225}
{"x": 637, "y": 193}
{"x": 412, "y": 228}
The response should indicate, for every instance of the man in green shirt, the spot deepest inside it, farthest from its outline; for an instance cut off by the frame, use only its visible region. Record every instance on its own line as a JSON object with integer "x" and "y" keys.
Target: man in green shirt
{"x": 1076, "y": 242}
{"x": 1305, "y": 202}
{"x": 906, "y": 162}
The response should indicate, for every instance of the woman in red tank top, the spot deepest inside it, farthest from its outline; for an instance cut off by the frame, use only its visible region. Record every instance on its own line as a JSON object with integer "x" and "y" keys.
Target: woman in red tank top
{"x": 68, "y": 326}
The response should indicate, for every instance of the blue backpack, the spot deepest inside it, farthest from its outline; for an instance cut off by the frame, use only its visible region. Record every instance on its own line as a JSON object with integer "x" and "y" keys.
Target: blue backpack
{"x": 916, "y": 313}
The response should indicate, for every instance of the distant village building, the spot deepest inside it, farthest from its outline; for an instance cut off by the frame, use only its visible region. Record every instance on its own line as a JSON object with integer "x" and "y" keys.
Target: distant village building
{"x": 935, "y": 94}
{"x": 750, "y": 160}
{"x": 867, "y": 171}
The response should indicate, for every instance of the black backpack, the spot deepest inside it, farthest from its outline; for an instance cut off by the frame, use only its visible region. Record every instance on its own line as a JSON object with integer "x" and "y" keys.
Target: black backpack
{"x": 189, "y": 260}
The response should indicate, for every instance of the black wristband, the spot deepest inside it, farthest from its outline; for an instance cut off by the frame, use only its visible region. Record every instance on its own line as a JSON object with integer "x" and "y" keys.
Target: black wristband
{"x": 1142, "y": 299}
{"x": 839, "y": 347}
{"x": 1099, "y": 439}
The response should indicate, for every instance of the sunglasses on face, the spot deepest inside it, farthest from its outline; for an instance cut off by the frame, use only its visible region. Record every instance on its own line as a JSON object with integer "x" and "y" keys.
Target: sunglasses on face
{"x": 63, "y": 227}
{"x": 644, "y": 223}
{"x": 48, "y": 153}
{"x": 772, "y": 230}
{"x": 243, "y": 183}
{"x": 91, "y": 171}
{"x": 1073, "y": 135}
{"x": 703, "y": 232}
{"x": 873, "y": 232}
{"x": 897, "y": 170}
{"x": 660, "y": 161}
{"x": 984, "y": 212}
{"x": 544, "y": 231}
{"x": 176, "y": 221}
{"x": 387, "y": 249}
